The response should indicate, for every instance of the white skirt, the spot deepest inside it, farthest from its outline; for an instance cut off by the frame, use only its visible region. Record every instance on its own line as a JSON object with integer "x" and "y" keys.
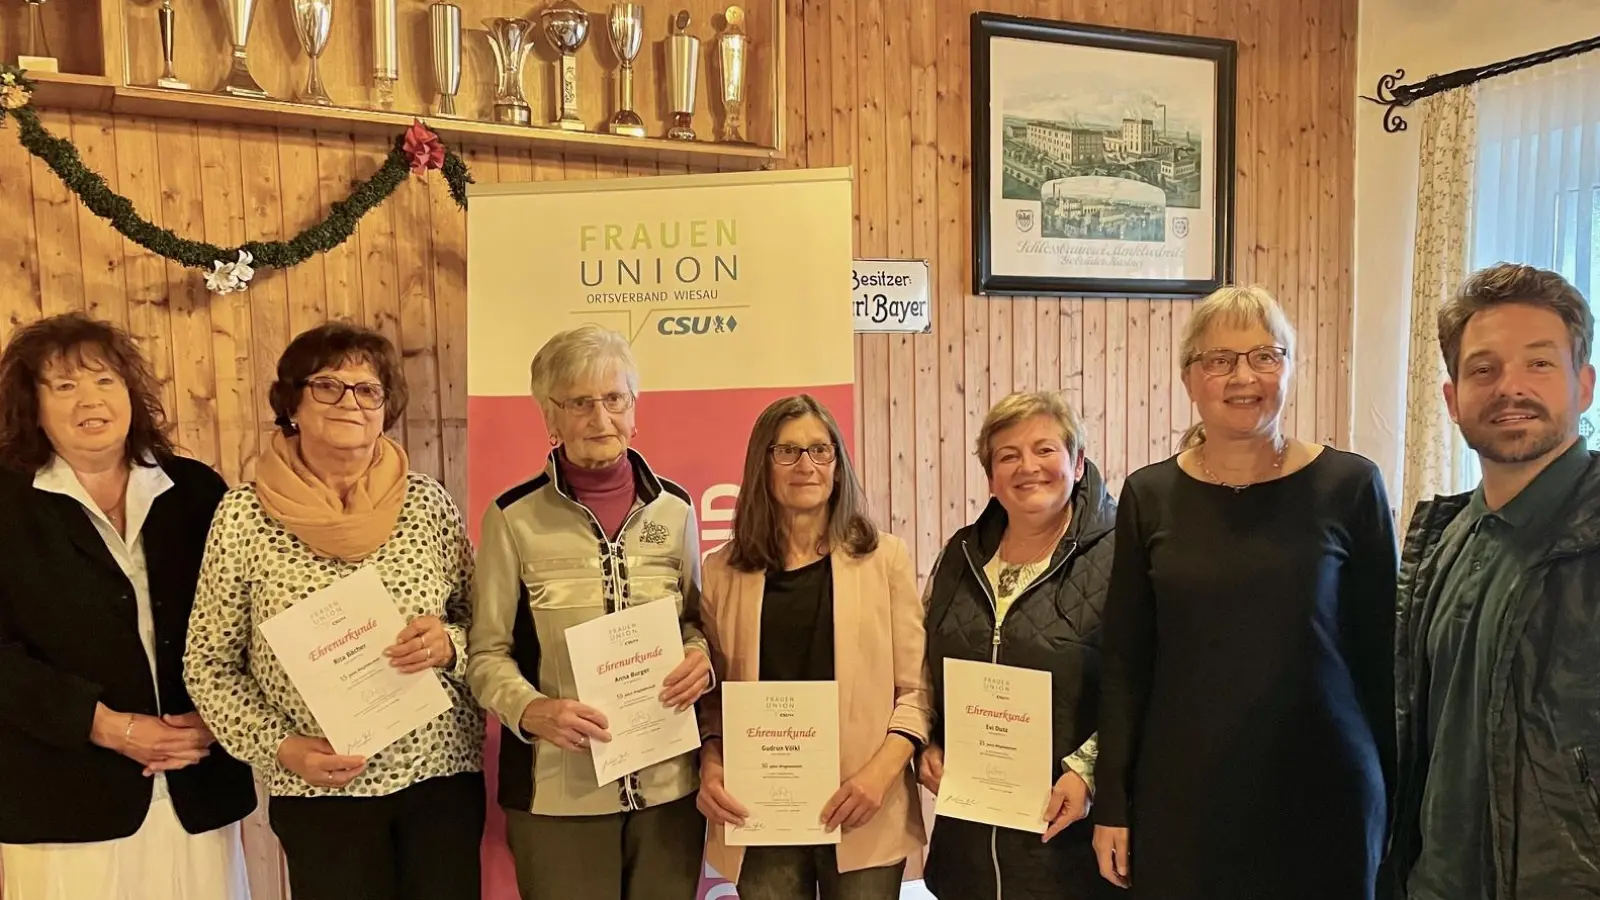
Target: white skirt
{"x": 160, "y": 861}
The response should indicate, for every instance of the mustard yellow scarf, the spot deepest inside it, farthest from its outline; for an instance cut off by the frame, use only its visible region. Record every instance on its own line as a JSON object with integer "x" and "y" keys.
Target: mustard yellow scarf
{"x": 349, "y": 527}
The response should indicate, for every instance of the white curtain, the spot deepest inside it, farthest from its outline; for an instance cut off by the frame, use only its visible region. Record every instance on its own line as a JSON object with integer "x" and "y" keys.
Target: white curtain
{"x": 1435, "y": 454}
{"x": 1538, "y": 185}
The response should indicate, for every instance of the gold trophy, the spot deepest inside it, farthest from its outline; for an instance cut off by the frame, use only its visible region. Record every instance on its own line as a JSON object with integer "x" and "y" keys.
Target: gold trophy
{"x": 733, "y": 49}
{"x": 169, "y": 42}
{"x": 567, "y": 26}
{"x": 626, "y": 21}
{"x": 38, "y": 58}
{"x": 683, "y": 65}
{"x": 313, "y": 21}
{"x": 240, "y": 82}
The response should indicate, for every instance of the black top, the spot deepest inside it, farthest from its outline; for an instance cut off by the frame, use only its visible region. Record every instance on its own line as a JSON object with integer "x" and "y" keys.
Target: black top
{"x": 69, "y": 638}
{"x": 797, "y": 624}
{"x": 1247, "y": 725}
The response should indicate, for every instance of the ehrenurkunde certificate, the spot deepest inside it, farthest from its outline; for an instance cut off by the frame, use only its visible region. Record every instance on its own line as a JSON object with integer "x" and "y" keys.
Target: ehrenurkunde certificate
{"x": 996, "y": 745}
{"x": 619, "y": 662}
{"x": 780, "y": 756}
{"x": 331, "y": 646}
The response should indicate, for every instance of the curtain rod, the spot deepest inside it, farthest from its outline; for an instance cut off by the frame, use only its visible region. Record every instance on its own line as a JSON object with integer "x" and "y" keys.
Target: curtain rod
{"x": 1396, "y": 96}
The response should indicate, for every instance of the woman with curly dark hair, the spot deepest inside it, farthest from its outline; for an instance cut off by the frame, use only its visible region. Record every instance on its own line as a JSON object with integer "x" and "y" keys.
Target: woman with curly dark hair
{"x": 110, "y": 782}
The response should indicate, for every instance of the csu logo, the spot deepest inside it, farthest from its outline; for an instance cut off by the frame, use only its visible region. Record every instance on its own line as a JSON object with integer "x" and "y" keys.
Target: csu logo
{"x": 1024, "y": 220}
{"x": 672, "y": 326}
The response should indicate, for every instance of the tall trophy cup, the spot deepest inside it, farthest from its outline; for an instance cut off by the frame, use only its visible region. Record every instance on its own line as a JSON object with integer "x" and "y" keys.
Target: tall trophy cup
{"x": 38, "y": 58}
{"x": 567, "y": 26}
{"x": 240, "y": 83}
{"x": 385, "y": 52}
{"x": 683, "y": 65}
{"x": 626, "y": 21}
{"x": 312, "y": 21}
{"x": 169, "y": 41}
{"x": 733, "y": 50}
{"x": 444, "y": 20}
{"x": 509, "y": 38}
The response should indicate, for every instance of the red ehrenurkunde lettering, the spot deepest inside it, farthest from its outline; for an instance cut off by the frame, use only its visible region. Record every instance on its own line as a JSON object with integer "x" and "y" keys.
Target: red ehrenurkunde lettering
{"x": 1009, "y": 716}
{"x": 347, "y": 637}
{"x": 634, "y": 660}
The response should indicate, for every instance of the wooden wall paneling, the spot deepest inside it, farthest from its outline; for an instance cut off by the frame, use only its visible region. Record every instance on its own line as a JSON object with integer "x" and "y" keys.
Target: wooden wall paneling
{"x": 266, "y": 305}
{"x": 55, "y": 217}
{"x": 341, "y": 267}
{"x": 189, "y": 303}
{"x": 874, "y": 177}
{"x": 928, "y": 440}
{"x": 149, "y": 313}
{"x": 19, "y": 263}
{"x": 376, "y": 243}
{"x": 301, "y": 205}
{"x": 417, "y": 326}
{"x": 1338, "y": 156}
{"x": 448, "y": 229}
{"x": 222, "y": 205}
{"x": 905, "y": 509}
{"x": 105, "y": 288}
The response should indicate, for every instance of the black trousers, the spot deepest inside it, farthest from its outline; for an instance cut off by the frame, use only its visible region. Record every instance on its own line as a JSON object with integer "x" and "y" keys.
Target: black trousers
{"x": 420, "y": 843}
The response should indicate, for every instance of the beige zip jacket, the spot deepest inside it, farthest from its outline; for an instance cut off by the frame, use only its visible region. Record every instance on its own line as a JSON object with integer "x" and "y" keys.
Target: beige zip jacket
{"x": 544, "y": 565}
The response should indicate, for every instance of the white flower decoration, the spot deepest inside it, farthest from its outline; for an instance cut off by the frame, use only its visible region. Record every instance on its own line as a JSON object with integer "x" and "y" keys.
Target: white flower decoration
{"x": 228, "y": 277}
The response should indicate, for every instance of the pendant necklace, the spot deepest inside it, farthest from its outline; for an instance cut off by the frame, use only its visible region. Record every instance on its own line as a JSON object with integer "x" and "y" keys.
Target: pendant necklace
{"x": 1277, "y": 464}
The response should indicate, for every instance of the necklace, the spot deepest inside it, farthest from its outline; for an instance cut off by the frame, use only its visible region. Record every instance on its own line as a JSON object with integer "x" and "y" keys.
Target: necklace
{"x": 1011, "y": 572}
{"x": 1276, "y": 465}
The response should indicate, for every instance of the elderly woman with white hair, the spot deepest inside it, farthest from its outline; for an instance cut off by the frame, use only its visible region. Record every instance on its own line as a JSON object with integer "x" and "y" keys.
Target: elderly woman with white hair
{"x": 596, "y": 533}
{"x": 1247, "y": 737}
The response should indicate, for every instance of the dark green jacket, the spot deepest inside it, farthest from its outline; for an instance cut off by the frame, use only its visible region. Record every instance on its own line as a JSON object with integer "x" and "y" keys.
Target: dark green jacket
{"x": 1544, "y": 709}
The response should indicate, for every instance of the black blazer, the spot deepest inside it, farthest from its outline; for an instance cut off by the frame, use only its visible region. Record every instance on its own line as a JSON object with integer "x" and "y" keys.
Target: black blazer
{"x": 69, "y": 638}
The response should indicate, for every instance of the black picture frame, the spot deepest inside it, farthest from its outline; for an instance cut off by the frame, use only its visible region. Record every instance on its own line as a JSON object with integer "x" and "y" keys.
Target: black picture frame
{"x": 990, "y": 275}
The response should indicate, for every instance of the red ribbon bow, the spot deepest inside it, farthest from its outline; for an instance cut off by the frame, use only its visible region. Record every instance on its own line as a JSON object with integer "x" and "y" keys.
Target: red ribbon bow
{"x": 423, "y": 148}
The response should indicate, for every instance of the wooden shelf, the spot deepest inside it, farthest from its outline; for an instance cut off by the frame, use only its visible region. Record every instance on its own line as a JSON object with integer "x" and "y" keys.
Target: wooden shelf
{"x": 130, "y": 58}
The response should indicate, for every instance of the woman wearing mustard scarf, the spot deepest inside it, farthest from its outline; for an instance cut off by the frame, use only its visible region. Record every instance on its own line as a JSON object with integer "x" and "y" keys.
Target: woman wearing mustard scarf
{"x": 332, "y": 495}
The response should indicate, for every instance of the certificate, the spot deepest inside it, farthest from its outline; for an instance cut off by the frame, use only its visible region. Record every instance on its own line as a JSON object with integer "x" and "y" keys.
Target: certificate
{"x": 331, "y": 646}
{"x": 780, "y": 755}
{"x": 619, "y": 662}
{"x": 996, "y": 745}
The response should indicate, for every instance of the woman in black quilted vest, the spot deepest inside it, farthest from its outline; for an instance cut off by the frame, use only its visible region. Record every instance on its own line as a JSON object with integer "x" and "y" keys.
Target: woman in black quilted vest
{"x": 1023, "y": 586}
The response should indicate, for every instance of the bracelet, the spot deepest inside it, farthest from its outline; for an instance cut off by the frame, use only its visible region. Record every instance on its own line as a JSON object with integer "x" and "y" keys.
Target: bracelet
{"x": 127, "y": 734}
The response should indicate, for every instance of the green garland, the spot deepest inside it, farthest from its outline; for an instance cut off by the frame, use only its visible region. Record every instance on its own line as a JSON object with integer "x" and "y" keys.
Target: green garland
{"x": 62, "y": 158}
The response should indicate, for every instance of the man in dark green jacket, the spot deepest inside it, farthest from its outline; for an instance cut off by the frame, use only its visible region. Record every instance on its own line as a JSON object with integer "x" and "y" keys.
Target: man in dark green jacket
{"x": 1498, "y": 636}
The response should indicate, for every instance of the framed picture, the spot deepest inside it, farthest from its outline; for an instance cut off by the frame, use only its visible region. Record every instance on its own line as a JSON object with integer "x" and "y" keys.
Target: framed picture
{"x": 1102, "y": 158}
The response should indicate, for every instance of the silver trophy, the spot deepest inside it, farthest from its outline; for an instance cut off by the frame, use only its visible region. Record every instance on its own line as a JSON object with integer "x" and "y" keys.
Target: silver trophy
{"x": 444, "y": 21}
{"x": 38, "y": 58}
{"x": 683, "y": 67}
{"x": 567, "y": 26}
{"x": 510, "y": 40}
{"x": 313, "y": 20}
{"x": 385, "y": 52}
{"x": 169, "y": 41}
{"x": 240, "y": 83}
{"x": 733, "y": 50}
{"x": 626, "y": 29}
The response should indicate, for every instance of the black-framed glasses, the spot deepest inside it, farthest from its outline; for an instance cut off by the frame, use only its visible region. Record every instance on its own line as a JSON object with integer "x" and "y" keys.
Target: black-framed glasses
{"x": 330, "y": 391}
{"x": 614, "y": 402}
{"x": 1264, "y": 360}
{"x": 789, "y": 454}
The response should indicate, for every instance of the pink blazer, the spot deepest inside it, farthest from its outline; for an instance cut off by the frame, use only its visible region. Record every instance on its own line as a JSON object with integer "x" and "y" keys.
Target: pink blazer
{"x": 878, "y": 662}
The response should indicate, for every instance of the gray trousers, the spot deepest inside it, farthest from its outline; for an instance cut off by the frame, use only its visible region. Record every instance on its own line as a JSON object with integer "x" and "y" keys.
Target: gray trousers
{"x": 648, "y": 854}
{"x": 805, "y": 873}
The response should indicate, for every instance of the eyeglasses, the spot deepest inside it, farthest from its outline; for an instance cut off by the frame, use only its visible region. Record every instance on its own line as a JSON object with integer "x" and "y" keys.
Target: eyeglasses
{"x": 789, "y": 454}
{"x": 1264, "y": 360}
{"x": 614, "y": 402}
{"x": 331, "y": 391}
